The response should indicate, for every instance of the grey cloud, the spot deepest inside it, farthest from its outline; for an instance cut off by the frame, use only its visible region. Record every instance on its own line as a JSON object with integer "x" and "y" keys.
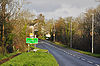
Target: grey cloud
{"x": 54, "y": 7}
{"x": 43, "y": 5}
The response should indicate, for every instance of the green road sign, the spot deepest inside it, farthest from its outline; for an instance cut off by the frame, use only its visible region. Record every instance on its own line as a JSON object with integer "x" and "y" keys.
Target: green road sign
{"x": 32, "y": 40}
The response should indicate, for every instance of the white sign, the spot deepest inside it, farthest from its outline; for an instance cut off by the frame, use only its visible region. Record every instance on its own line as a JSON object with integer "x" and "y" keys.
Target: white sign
{"x": 48, "y": 35}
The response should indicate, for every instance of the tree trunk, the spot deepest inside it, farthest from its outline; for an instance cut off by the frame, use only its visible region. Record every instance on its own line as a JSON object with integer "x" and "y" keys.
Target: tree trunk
{"x": 3, "y": 5}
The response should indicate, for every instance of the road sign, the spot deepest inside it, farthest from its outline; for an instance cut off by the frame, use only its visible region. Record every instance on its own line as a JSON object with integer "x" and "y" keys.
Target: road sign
{"x": 31, "y": 34}
{"x": 32, "y": 40}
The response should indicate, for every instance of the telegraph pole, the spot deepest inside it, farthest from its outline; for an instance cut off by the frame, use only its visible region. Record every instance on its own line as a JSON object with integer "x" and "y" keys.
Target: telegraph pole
{"x": 53, "y": 30}
{"x": 71, "y": 34}
{"x": 92, "y": 33}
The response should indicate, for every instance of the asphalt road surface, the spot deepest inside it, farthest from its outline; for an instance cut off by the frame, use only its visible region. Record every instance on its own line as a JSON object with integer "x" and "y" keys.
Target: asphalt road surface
{"x": 67, "y": 57}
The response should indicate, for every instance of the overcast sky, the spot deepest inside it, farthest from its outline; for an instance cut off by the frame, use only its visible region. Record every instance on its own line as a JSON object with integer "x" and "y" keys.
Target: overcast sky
{"x": 59, "y": 8}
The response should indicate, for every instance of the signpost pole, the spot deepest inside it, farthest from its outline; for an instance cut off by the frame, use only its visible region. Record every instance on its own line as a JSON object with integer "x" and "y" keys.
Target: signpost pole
{"x": 28, "y": 47}
{"x": 35, "y": 44}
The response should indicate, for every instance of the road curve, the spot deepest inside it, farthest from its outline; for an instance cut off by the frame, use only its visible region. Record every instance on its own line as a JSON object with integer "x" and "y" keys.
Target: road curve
{"x": 67, "y": 57}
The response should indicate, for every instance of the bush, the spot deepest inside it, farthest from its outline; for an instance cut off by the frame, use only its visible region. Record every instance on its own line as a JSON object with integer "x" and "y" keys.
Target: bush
{"x": 0, "y": 50}
{"x": 9, "y": 49}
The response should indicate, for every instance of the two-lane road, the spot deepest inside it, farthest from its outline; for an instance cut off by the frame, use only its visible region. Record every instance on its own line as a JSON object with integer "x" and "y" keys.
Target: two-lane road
{"x": 66, "y": 57}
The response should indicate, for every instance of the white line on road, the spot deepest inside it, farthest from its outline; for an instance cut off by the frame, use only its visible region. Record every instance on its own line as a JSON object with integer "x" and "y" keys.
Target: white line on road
{"x": 65, "y": 52}
{"x": 68, "y": 53}
{"x": 89, "y": 61}
{"x": 97, "y": 64}
{"x": 73, "y": 55}
{"x": 60, "y": 49}
{"x": 82, "y": 59}
{"x": 78, "y": 57}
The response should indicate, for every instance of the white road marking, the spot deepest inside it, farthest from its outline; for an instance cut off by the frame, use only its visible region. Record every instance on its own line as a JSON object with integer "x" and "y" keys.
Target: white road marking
{"x": 68, "y": 53}
{"x": 82, "y": 59}
{"x": 60, "y": 49}
{"x": 65, "y": 52}
{"x": 73, "y": 55}
{"x": 97, "y": 64}
{"x": 78, "y": 57}
{"x": 89, "y": 61}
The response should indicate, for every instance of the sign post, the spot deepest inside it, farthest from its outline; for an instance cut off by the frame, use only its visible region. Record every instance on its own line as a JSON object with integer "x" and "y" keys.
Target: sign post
{"x": 31, "y": 41}
{"x": 35, "y": 44}
{"x": 28, "y": 47}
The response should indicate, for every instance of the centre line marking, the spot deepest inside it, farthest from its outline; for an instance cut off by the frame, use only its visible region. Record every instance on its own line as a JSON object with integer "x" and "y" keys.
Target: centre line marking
{"x": 89, "y": 62}
{"x": 73, "y": 55}
{"x": 78, "y": 57}
{"x": 97, "y": 65}
{"x": 82, "y": 59}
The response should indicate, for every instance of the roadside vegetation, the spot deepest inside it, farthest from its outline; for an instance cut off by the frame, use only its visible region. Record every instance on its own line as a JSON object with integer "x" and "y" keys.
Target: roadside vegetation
{"x": 62, "y": 45}
{"x": 7, "y": 55}
{"x": 39, "y": 58}
{"x": 87, "y": 53}
{"x": 80, "y": 51}
{"x": 15, "y": 25}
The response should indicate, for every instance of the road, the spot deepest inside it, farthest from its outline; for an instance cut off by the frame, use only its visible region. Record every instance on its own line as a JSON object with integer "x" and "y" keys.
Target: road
{"x": 67, "y": 57}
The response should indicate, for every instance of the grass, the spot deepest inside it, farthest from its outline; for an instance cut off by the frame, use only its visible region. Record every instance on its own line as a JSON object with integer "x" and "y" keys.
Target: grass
{"x": 6, "y": 55}
{"x": 80, "y": 51}
{"x": 62, "y": 45}
{"x": 87, "y": 53}
{"x": 39, "y": 58}
{"x": 59, "y": 44}
{"x": 9, "y": 54}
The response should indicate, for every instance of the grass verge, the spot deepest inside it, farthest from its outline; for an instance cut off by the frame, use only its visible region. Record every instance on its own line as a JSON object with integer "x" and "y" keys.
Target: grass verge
{"x": 38, "y": 58}
{"x": 87, "y": 53}
{"x": 58, "y": 43}
{"x": 7, "y": 55}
